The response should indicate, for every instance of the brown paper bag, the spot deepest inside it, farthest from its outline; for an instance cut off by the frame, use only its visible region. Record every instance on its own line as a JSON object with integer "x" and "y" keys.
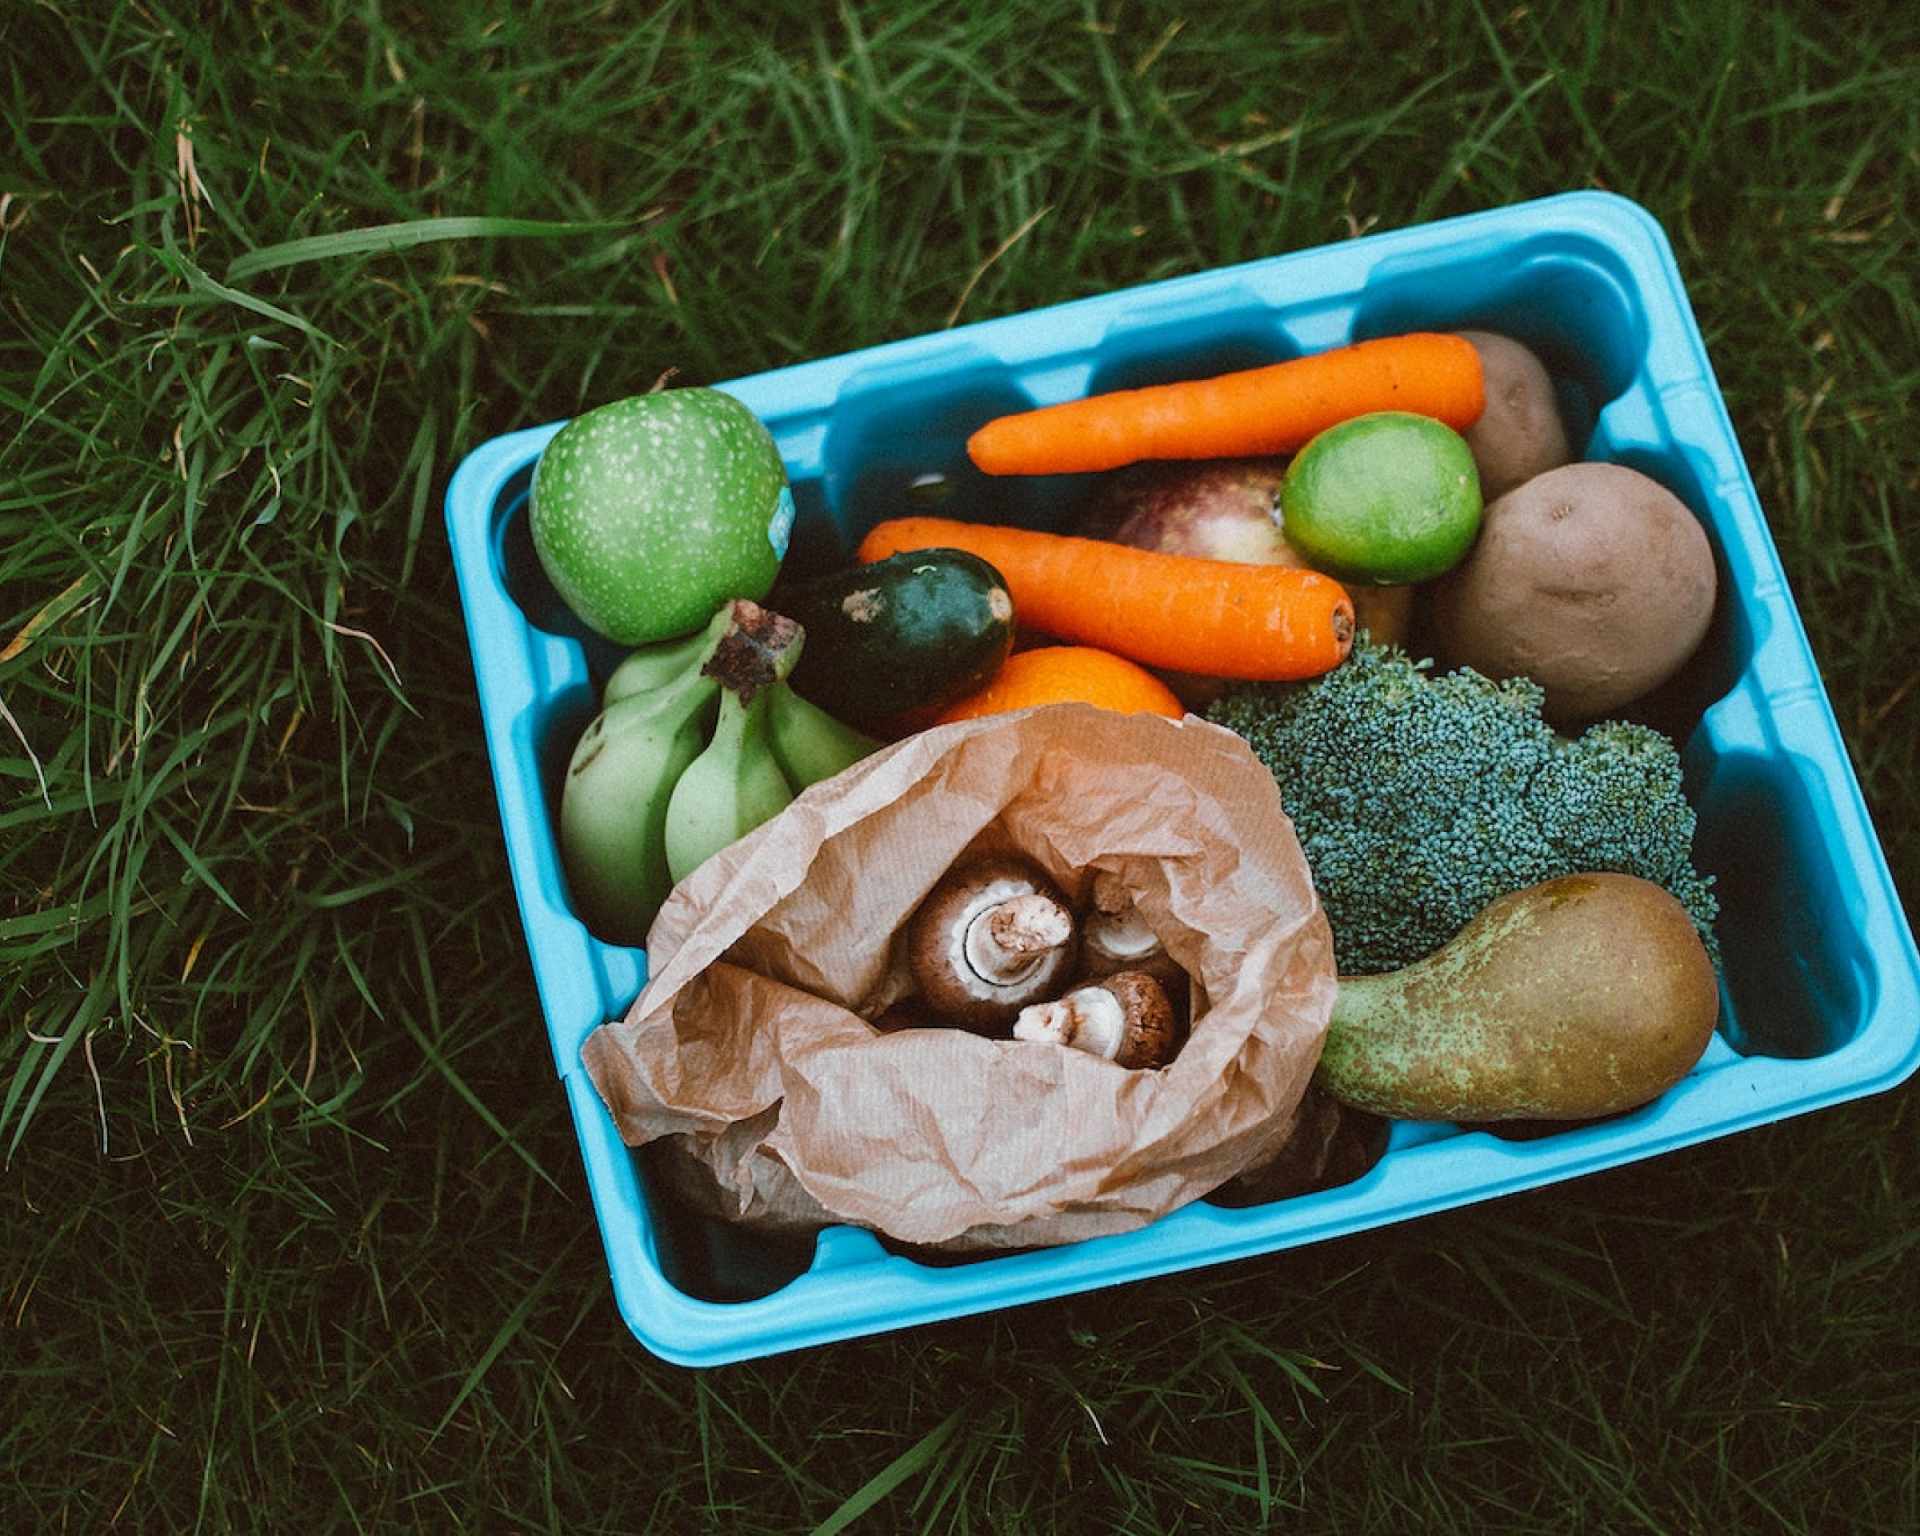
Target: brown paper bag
{"x": 750, "y": 1046}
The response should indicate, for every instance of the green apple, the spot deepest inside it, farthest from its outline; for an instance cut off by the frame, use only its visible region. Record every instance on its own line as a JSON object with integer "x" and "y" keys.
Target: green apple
{"x": 649, "y": 513}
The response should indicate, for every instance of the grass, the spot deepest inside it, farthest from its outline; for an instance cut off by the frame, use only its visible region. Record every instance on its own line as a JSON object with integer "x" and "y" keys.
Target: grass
{"x": 294, "y": 1229}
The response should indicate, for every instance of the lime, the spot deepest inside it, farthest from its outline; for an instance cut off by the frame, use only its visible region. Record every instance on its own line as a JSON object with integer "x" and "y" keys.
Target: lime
{"x": 650, "y": 512}
{"x": 1387, "y": 498}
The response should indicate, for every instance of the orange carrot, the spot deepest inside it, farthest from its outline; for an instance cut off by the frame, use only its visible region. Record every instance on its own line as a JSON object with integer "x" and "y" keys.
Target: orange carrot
{"x": 1218, "y": 618}
{"x": 1079, "y": 674}
{"x": 1275, "y": 409}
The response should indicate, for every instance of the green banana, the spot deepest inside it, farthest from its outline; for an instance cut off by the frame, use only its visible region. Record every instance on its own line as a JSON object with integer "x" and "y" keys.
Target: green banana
{"x": 654, "y": 666}
{"x": 698, "y": 741}
{"x": 613, "y": 803}
{"x": 808, "y": 743}
{"x": 736, "y": 783}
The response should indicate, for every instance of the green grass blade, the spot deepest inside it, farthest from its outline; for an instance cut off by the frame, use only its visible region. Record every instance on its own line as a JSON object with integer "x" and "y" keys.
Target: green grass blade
{"x": 509, "y": 1329}
{"x": 198, "y": 866}
{"x": 185, "y": 269}
{"x": 404, "y": 236}
{"x": 49, "y": 1058}
{"x": 917, "y": 1456}
{"x": 474, "y": 1101}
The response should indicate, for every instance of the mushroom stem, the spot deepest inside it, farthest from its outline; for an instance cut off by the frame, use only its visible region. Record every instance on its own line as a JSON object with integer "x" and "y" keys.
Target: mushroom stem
{"x": 1090, "y": 1019}
{"x": 1125, "y": 1018}
{"x": 1008, "y": 940}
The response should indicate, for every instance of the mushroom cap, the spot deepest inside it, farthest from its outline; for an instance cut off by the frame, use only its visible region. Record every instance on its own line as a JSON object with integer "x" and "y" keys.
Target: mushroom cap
{"x": 937, "y": 944}
{"x": 1114, "y": 936}
{"x": 1118, "y": 939}
{"x": 1153, "y": 1034}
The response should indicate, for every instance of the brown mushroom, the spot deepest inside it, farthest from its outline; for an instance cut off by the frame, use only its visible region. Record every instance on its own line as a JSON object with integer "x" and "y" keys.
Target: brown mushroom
{"x": 1124, "y": 1018}
{"x": 993, "y": 936}
{"x": 1115, "y": 937}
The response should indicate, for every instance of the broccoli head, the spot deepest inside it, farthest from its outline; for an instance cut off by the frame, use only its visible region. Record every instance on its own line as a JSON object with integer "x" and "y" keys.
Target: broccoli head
{"x": 1420, "y": 799}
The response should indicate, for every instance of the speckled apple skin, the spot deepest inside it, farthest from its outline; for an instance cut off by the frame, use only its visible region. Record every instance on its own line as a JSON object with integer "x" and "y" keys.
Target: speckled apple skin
{"x": 650, "y": 512}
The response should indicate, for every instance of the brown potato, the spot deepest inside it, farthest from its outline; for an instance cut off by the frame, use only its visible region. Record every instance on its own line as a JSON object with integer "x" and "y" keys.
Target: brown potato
{"x": 1520, "y": 434}
{"x": 1591, "y": 579}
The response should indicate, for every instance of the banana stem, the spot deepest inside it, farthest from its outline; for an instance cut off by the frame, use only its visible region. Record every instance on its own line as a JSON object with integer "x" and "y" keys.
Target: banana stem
{"x": 756, "y": 652}
{"x": 758, "y": 649}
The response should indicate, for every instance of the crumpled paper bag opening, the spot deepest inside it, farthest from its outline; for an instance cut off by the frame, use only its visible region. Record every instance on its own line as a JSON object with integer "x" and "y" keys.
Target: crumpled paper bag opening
{"x": 751, "y": 1048}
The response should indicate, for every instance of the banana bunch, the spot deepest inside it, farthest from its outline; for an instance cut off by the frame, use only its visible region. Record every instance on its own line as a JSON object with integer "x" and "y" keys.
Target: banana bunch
{"x": 698, "y": 741}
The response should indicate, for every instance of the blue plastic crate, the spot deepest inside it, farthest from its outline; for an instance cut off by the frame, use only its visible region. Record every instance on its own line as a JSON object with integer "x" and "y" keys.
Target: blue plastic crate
{"x": 1821, "y": 986}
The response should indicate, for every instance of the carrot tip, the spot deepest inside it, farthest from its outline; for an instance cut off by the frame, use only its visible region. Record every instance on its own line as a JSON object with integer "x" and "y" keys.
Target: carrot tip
{"x": 980, "y": 449}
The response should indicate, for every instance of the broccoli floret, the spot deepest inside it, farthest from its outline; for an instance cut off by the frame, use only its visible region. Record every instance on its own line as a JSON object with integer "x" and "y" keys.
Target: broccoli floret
{"x": 1419, "y": 799}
